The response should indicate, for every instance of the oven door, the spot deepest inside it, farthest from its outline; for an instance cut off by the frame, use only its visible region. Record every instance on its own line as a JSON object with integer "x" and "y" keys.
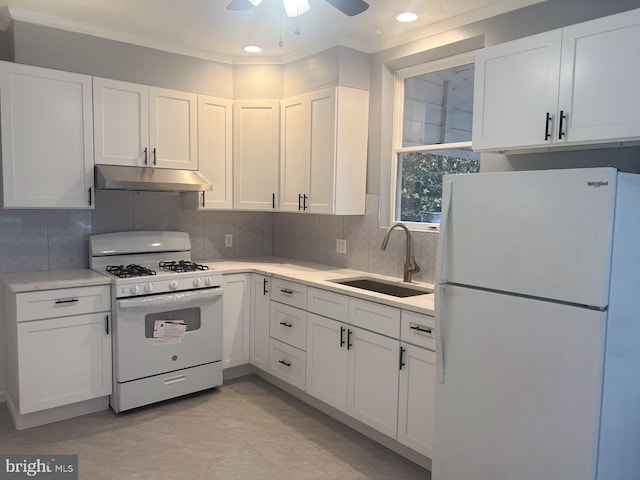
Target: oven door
{"x": 162, "y": 333}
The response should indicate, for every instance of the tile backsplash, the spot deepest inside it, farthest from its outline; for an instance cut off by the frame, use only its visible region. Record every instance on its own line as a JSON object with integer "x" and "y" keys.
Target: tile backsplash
{"x": 58, "y": 239}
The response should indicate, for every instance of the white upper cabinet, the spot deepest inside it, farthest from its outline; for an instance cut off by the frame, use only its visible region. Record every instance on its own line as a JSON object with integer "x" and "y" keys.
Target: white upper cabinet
{"x": 137, "y": 125}
{"x": 256, "y": 152}
{"x": 47, "y": 144}
{"x": 570, "y": 87}
{"x": 215, "y": 161}
{"x": 324, "y": 151}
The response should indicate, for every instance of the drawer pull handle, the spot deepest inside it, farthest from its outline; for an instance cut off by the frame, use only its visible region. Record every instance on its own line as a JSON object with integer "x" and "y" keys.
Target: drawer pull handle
{"x": 288, "y": 325}
{"x": 70, "y": 300}
{"x": 418, "y": 329}
{"x": 178, "y": 379}
{"x": 286, "y": 291}
{"x": 285, "y": 363}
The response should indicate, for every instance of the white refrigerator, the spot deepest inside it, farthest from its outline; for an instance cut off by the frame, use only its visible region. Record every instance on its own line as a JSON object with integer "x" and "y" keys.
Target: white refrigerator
{"x": 538, "y": 327}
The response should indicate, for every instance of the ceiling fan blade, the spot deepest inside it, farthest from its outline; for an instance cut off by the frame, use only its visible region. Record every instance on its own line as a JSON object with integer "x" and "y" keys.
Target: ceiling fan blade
{"x": 350, "y": 7}
{"x": 239, "y": 5}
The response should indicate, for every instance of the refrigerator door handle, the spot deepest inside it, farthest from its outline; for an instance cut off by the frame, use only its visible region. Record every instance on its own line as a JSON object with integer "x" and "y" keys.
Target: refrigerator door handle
{"x": 446, "y": 208}
{"x": 439, "y": 291}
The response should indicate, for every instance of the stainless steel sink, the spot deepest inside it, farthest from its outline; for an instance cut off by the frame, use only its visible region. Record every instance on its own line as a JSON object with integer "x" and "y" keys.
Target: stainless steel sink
{"x": 387, "y": 288}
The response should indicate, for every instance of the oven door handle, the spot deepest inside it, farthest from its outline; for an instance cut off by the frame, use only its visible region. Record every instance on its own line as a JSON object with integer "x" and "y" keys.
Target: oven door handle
{"x": 170, "y": 299}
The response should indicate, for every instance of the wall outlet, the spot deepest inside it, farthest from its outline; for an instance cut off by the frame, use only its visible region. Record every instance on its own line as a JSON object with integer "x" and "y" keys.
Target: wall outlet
{"x": 341, "y": 245}
{"x": 228, "y": 240}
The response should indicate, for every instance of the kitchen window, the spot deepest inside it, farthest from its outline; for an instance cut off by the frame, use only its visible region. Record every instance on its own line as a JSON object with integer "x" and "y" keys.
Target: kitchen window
{"x": 432, "y": 137}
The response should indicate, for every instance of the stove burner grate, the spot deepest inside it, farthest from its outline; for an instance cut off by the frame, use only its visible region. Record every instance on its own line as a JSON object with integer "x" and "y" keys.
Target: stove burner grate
{"x": 132, "y": 270}
{"x": 182, "y": 266}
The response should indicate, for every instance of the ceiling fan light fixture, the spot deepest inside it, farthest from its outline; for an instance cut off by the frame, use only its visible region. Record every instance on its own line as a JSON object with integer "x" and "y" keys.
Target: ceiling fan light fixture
{"x": 294, "y": 8}
{"x": 407, "y": 17}
{"x": 252, "y": 49}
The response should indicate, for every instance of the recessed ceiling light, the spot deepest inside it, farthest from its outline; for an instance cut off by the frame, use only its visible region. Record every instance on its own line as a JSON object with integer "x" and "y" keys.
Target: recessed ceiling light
{"x": 252, "y": 49}
{"x": 406, "y": 17}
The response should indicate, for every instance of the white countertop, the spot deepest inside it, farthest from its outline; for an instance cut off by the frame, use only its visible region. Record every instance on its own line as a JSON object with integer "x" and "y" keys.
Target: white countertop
{"x": 317, "y": 275}
{"x": 52, "y": 279}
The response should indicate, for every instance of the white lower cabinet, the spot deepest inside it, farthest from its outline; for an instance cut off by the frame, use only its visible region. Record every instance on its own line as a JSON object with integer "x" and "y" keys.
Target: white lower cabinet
{"x": 287, "y": 363}
{"x": 260, "y": 302}
{"x": 355, "y": 371}
{"x": 58, "y": 352}
{"x": 63, "y": 360}
{"x": 327, "y": 360}
{"x": 415, "y": 400}
{"x": 236, "y": 319}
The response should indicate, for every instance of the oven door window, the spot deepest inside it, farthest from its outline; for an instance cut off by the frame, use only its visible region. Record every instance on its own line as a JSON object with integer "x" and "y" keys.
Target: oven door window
{"x": 190, "y": 316}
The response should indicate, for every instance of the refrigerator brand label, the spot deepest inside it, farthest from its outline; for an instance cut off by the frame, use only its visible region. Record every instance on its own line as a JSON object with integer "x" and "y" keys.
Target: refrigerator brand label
{"x": 597, "y": 184}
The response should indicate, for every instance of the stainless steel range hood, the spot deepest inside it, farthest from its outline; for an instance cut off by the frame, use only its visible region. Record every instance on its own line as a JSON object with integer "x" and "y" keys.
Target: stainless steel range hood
{"x": 116, "y": 177}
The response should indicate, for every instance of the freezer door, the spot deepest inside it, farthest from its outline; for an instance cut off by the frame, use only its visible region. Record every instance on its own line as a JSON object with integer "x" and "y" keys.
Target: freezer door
{"x": 541, "y": 233}
{"x": 521, "y": 387}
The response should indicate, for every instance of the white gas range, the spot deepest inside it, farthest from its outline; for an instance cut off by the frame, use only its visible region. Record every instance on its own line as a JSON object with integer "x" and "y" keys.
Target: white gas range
{"x": 167, "y": 316}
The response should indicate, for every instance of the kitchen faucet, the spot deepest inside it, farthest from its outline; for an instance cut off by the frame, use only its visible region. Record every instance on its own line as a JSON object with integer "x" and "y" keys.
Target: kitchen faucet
{"x": 410, "y": 265}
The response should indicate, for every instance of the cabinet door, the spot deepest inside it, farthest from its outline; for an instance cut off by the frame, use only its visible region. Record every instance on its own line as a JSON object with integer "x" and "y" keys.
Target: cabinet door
{"x": 327, "y": 361}
{"x": 415, "y": 400}
{"x": 516, "y": 86}
{"x": 236, "y": 312}
{"x": 260, "y": 301}
{"x": 120, "y": 122}
{"x": 63, "y": 360}
{"x": 172, "y": 129}
{"x": 47, "y": 138}
{"x": 294, "y": 160}
{"x": 372, "y": 386}
{"x": 598, "y": 88}
{"x": 322, "y": 151}
{"x": 256, "y": 154}
{"x": 215, "y": 159}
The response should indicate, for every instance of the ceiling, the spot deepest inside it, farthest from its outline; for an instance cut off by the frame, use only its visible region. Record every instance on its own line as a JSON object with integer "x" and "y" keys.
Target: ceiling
{"x": 206, "y": 29}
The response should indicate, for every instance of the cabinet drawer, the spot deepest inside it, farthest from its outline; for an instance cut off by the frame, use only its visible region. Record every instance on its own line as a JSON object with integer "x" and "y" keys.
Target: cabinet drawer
{"x": 289, "y": 325}
{"x": 63, "y": 302}
{"x": 418, "y": 329}
{"x": 290, "y": 293}
{"x": 375, "y": 317}
{"x": 328, "y": 304}
{"x": 287, "y": 363}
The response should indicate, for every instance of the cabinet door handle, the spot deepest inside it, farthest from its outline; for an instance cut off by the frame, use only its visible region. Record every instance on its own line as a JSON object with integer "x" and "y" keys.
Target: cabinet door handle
{"x": 299, "y": 201}
{"x": 106, "y": 323}
{"x": 146, "y": 156}
{"x": 264, "y": 286}
{"x": 547, "y": 135}
{"x": 342, "y": 329}
{"x": 419, "y": 329}
{"x": 70, "y": 300}
{"x": 286, "y": 291}
{"x": 288, "y": 325}
{"x": 304, "y": 202}
{"x": 203, "y": 199}
{"x": 285, "y": 363}
{"x": 273, "y": 201}
{"x": 90, "y": 199}
{"x": 402, "y": 350}
{"x": 155, "y": 156}
{"x": 562, "y": 119}
{"x": 349, "y": 344}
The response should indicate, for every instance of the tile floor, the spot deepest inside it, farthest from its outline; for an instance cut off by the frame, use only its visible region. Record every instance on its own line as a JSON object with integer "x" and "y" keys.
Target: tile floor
{"x": 248, "y": 429}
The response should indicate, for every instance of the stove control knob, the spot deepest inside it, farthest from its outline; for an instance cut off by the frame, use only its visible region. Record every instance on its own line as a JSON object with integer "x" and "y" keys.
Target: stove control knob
{"x": 207, "y": 281}
{"x": 196, "y": 282}
{"x": 148, "y": 287}
{"x": 173, "y": 285}
{"x": 135, "y": 289}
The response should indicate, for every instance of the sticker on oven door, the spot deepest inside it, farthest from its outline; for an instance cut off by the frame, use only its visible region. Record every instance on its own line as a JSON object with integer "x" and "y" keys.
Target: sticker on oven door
{"x": 166, "y": 332}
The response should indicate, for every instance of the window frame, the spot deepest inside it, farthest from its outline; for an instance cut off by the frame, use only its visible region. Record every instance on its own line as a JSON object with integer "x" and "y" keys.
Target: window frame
{"x": 397, "y": 149}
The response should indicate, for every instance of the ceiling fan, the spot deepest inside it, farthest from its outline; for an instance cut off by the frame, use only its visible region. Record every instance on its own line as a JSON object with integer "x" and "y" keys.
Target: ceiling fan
{"x": 294, "y": 8}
